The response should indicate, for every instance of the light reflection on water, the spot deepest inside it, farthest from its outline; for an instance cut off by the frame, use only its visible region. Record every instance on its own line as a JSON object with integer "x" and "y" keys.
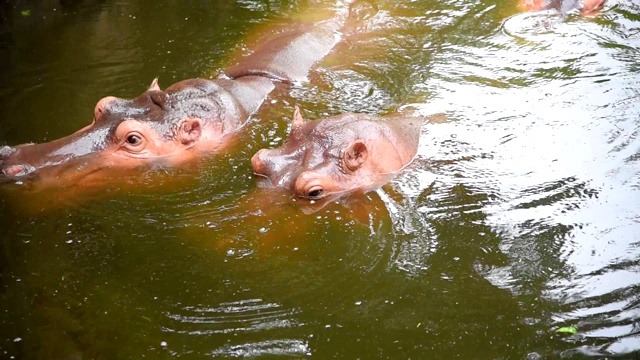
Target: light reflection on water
{"x": 519, "y": 215}
{"x": 556, "y": 189}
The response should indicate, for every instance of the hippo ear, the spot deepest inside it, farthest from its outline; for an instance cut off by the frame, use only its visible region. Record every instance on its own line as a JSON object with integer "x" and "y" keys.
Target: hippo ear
{"x": 189, "y": 131}
{"x": 297, "y": 119}
{"x": 355, "y": 155}
{"x": 154, "y": 85}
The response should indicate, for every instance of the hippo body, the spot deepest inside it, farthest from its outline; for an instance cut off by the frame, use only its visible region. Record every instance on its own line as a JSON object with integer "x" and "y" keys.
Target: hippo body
{"x": 177, "y": 124}
{"x": 189, "y": 116}
{"x": 335, "y": 156}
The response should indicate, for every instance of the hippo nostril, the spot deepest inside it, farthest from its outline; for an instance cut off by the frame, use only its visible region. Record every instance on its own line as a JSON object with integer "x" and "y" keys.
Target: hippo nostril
{"x": 103, "y": 105}
{"x": 257, "y": 163}
{"x": 18, "y": 170}
{"x": 13, "y": 170}
{"x": 6, "y": 151}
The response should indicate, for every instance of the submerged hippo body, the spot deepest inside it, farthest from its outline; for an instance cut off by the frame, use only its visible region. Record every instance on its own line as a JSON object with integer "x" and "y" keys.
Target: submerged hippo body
{"x": 179, "y": 123}
{"x": 335, "y": 156}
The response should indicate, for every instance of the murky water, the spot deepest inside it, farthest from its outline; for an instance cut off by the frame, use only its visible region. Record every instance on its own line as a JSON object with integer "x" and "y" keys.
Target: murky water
{"x": 519, "y": 217}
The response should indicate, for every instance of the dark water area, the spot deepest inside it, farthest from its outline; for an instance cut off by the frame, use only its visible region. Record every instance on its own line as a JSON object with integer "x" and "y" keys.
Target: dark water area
{"x": 519, "y": 216}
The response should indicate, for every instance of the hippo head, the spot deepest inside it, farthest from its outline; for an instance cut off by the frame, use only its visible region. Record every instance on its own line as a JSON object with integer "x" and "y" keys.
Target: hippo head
{"x": 335, "y": 156}
{"x": 157, "y": 126}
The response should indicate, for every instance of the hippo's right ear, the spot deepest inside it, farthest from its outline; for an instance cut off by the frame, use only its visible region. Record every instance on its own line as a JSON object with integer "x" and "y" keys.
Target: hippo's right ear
{"x": 297, "y": 119}
{"x": 154, "y": 85}
{"x": 189, "y": 131}
{"x": 355, "y": 155}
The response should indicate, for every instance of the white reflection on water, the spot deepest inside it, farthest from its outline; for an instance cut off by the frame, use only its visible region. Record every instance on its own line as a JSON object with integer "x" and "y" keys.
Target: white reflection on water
{"x": 214, "y": 325}
{"x": 549, "y": 121}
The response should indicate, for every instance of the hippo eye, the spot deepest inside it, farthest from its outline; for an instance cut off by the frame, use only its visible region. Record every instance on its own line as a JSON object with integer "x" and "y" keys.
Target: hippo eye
{"x": 315, "y": 192}
{"x": 134, "y": 140}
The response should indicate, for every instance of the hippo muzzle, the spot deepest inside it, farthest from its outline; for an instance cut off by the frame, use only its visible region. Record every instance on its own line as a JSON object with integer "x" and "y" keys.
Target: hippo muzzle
{"x": 23, "y": 160}
{"x": 9, "y": 168}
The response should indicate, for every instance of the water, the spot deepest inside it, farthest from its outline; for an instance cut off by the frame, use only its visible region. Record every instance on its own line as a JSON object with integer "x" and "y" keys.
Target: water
{"x": 518, "y": 217}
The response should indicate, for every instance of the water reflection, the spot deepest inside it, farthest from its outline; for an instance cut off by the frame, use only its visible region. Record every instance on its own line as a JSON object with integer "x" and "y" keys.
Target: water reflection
{"x": 238, "y": 317}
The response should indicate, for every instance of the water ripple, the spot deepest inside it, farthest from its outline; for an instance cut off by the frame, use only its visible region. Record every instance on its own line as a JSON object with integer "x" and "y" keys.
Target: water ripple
{"x": 284, "y": 347}
{"x": 251, "y": 315}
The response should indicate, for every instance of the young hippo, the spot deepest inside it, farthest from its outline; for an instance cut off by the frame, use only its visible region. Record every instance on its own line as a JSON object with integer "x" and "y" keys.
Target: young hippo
{"x": 335, "y": 156}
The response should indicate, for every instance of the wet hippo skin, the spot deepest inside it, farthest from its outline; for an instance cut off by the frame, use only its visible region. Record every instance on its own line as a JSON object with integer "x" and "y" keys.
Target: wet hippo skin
{"x": 165, "y": 127}
{"x": 335, "y": 156}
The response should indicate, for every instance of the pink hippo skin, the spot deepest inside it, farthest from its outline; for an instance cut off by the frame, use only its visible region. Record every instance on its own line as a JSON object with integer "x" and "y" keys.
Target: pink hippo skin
{"x": 333, "y": 157}
{"x": 182, "y": 122}
{"x": 586, "y": 7}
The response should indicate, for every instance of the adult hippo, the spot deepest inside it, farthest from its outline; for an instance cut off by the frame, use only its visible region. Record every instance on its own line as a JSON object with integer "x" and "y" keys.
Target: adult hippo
{"x": 332, "y": 157}
{"x": 185, "y": 120}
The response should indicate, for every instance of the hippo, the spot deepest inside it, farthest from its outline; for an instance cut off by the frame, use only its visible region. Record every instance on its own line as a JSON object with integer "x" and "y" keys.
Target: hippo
{"x": 586, "y": 7}
{"x": 336, "y": 156}
{"x": 182, "y": 122}
{"x": 165, "y": 126}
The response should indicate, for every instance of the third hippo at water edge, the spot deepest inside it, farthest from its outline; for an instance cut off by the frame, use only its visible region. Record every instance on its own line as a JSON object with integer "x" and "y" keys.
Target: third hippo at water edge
{"x": 333, "y": 157}
{"x": 586, "y": 7}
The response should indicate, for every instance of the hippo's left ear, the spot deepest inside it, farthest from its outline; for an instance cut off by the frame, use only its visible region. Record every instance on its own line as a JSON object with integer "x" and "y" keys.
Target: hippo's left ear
{"x": 154, "y": 85}
{"x": 355, "y": 155}
{"x": 297, "y": 119}
{"x": 189, "y": 131}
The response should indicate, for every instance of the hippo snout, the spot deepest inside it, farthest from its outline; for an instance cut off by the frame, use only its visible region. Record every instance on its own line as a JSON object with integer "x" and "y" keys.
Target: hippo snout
{"x": 8, "y": 169}
{"x": 18, "y": 170}
{"x": 5, "y": 151}
{"x": 257, "y": 162}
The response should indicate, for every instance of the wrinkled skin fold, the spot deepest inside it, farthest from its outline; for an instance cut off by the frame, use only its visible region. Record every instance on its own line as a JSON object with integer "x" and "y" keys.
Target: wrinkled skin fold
{"x": 335, "y": 156}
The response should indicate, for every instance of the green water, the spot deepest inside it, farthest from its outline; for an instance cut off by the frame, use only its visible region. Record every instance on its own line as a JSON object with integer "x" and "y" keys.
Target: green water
{"x": 519, "y": 216}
